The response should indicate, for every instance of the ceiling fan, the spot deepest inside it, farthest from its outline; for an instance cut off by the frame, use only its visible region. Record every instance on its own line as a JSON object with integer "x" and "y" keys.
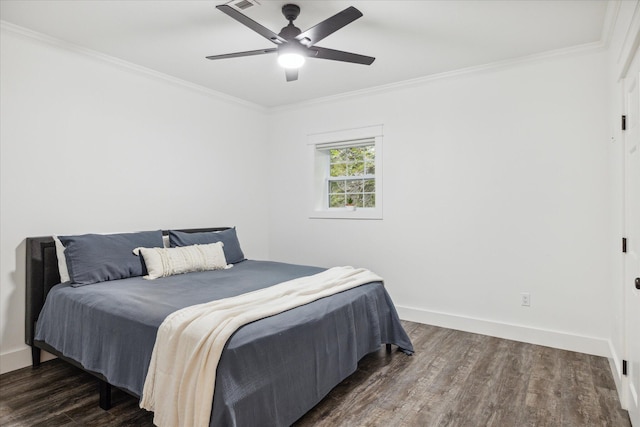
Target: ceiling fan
{"x": 294, "y": 45}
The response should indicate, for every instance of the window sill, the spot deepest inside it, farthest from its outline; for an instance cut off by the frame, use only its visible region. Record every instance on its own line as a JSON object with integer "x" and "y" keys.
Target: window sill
{"x": 363, "y": 213}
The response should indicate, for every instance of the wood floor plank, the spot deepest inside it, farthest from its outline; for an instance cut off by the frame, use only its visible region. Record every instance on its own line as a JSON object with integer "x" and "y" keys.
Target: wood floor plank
{"x": 454, "y": 379}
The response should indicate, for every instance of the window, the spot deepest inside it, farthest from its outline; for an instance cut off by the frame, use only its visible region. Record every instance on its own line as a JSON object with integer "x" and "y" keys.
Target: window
{"x": 347, "y": 174}
{"x": 352, "y": 176}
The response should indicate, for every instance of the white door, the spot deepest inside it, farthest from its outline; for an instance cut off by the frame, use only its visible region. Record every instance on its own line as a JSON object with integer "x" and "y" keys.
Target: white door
{"x": 632, "y": 233}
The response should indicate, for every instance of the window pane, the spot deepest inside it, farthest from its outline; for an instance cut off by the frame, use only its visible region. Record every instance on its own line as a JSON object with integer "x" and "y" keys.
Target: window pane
{"x": 338, "y": 169}
{"x": 355, "y": 169}
{"x": 369, "y": 200}
{"x": 336, "y": 186}
{"x": 355, "y": 154}
{"x": 354, "y": 186}
{"x": 369, "y": 185}
{"x": 370, "y": 153}
{"x": 357, "y": 199}
{"x": 338, "y": 155}
{"x": 336, "y": 201}
{"x": 370, "y": 168}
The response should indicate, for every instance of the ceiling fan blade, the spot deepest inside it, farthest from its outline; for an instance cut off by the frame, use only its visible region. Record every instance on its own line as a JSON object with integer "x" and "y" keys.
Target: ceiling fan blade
{"x": 292, "y": 74}
{"x": 263, "y": 31}
{"x": 330, "y": 25}
{"x": 339, "y": 55}
{"x": 240, "y": 54}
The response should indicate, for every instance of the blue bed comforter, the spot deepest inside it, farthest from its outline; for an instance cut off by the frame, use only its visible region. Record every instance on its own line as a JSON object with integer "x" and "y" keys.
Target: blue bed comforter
{"x": 272, "y": 371}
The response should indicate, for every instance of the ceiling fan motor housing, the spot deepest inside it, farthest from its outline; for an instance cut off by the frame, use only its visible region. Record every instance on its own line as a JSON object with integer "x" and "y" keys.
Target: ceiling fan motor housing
{"x": 290, "y": 11}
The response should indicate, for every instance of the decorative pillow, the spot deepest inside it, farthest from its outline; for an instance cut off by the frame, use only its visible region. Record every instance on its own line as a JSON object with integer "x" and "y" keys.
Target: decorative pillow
{"x": 93, "y": 258}
{"x": 163, "y": 262}
{"x": 62, "y": 261}
{"x": 232, "y": 250}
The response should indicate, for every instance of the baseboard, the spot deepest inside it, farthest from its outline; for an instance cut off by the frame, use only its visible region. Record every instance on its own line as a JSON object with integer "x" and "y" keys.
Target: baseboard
{"x": 19, "y": 359}
{"x": 545, "y": 337}
{"x": 15, "y": 360}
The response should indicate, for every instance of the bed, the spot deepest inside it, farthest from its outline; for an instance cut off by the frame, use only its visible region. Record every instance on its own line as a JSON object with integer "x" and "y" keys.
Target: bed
{"x": 271, "y": 372}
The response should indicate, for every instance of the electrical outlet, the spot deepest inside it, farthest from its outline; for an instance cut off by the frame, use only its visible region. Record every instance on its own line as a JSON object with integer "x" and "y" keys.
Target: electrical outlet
{"x": 525, "y": 299}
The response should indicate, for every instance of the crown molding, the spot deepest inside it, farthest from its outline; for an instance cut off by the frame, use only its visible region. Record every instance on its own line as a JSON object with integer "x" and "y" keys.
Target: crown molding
{"x": 34, "y": 35}
{"x": 420, "y": 81}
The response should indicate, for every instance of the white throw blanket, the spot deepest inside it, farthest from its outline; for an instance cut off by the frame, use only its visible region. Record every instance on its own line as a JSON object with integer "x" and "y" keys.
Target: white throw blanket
{"x": 180, "y": 382}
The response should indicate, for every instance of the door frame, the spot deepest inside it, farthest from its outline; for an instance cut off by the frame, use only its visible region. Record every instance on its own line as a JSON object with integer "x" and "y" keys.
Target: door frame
{"x": 631, "y": 93}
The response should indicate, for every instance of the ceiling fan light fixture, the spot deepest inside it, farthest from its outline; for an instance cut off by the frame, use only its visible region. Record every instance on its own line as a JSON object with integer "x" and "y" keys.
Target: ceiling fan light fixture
{"x": 290, "y": 60}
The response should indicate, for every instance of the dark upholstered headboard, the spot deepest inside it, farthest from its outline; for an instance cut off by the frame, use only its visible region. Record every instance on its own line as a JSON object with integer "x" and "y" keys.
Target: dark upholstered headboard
{"x": 42, "y": 274}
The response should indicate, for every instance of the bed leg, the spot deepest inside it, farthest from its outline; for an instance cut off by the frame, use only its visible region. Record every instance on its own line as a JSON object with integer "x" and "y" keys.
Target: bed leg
{"x": 105, "y": 395}
{"x": 388, "y": 346}
{"x": 35, "y": 356}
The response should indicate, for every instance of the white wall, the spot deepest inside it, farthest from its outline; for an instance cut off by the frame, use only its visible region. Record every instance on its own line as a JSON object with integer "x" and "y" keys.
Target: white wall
{"x": 89, "y": 146}
{"x": 495, "y": 183}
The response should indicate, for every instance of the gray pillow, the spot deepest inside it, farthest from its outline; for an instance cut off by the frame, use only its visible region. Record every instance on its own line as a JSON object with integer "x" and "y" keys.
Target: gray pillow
{"x": 232, "y": 251}
{"x": 93, "y": 258}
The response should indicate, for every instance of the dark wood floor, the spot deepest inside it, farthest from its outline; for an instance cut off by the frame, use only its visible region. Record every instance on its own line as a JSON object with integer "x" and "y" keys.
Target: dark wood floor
{"x": 454, "y": 379}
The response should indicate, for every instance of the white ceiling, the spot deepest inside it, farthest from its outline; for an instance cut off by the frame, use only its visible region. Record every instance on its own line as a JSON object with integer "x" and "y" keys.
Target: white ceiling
{"x": 410, "y": 39}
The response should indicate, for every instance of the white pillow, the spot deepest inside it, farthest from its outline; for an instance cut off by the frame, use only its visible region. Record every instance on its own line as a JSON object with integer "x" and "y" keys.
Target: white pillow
{"x": 62, "y": 261}
{"x": 163, "y": 262}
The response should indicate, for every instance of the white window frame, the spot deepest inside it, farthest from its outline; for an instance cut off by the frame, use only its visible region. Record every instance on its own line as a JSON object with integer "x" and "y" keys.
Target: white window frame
{"x": 319, "y": 145}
